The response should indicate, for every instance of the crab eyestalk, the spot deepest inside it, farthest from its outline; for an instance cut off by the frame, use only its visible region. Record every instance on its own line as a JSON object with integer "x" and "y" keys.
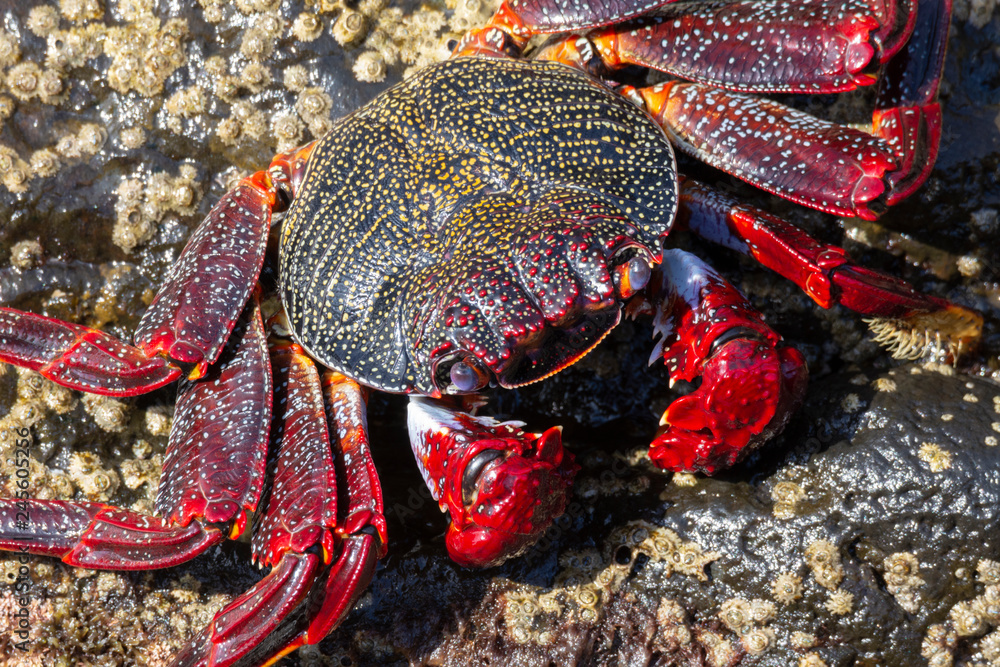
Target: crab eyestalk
{"x": 501, "y": 487}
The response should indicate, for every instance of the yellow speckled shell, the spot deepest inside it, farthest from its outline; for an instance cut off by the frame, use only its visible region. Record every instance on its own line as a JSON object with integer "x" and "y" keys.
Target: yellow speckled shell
{"x": 473, "y": 207}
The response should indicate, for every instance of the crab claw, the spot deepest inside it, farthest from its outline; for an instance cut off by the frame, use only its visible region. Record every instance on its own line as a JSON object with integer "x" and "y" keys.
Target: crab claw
{"x": 748, "y": 390}
{"x": 501, "y": 486}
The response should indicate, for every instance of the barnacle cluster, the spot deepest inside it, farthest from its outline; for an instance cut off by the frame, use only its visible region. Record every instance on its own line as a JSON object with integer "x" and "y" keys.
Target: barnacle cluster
{"x": 589, "y": 578}
{"x": 749, "y": 620}
{"x": 786, "y": 497}
{"x": 143, "y": 202}
{"x": 144, "y": 53}
{"x": 823, "y": 560}
{"x": 902, "y": 579}
{"x": 88, "y": 475}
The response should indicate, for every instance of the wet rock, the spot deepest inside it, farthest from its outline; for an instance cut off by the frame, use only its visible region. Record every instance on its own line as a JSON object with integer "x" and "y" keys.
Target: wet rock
{"x": 892, "y": 473}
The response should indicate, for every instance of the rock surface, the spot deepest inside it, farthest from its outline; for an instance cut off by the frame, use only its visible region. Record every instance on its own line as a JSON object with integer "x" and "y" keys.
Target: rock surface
{"x": 865, "y": 535}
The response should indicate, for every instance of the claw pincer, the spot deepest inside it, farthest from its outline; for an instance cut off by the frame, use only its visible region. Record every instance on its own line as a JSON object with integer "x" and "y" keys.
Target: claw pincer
{"x": 501, "y": 487}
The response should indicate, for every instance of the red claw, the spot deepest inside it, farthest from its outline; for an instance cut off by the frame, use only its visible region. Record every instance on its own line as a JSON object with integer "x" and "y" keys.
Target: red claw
{"x": 748, "y": 390}
{"x": 501, "y": 486}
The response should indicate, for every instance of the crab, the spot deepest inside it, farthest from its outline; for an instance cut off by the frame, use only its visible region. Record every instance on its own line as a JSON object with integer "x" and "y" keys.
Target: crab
{"x": 486, "y": 223}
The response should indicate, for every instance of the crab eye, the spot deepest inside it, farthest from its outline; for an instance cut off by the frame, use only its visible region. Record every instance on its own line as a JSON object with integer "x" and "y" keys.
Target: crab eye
{"x": 474, "y": 470}
{"x": 631, "y": 276}
{"x": 468, "y": 375}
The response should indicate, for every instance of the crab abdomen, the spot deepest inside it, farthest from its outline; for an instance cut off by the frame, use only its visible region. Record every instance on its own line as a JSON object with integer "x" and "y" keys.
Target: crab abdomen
{"x": 478, "y": 210}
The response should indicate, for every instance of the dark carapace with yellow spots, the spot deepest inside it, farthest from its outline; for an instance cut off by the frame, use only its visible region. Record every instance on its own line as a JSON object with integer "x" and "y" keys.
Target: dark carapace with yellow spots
{"x": 474, "y": 214}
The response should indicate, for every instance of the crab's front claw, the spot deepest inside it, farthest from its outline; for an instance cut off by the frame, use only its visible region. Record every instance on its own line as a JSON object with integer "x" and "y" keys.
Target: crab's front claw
{"x": 748, "y": 390}
{"x": 501, "y": 486}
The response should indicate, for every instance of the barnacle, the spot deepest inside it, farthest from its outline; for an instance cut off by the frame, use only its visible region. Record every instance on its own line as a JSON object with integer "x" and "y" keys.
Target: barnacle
{"x": 229, "y": 130}
{"x": 966, "y": 620}
{"x": 787, "y": 588}
{"x": 256, "y": 45}
{"x": 307, "y": 27}
{"x": 58, "y": 399}
{"x": 786, "y": 497}
{"x": 91, "y": 138}
{"x": 252, "y": 120}
{"x": 758, "y": 640}
{"x": 989, "y": 646}
{"x": 901, "y": 570}
{"x": 26, "y": 255}
{"x": 13, "y": 170}
{"x": 42, "y": 21}
{"x": 287, "y": 129}
{"x": 44, "y": 163}
{"x": 10, "y": 51}
{"x": 81, "y": 10}
{"x": 936, "y": 458}
{"x": 227, "y": 88}
{"x": 255, "y": 77}
{"x": 735, "y": 615}
{"x": 23, "y": 80}
{"x": 988, "y": 571}
{"x": 132, "y": 137}
{"x": 68, "y": 146}
{"x": 50, "y": 87}
{"x": 96, "y": 483}
{"x": 684, "y": 479}
{"x": 349, "y": 27}
{"x": 811, "y": 660}
{"x": 186, "y": 102}
{"x": 370, "y": 67}
{"x": 296, "y": 78}
{"x": 313, "y": 103}
{"x": 824, "y": 562}
{"x": 802, "y": 640}
{"x": 6, "y": 107}
{"x": 109, "y": 414}
{"x": 939, "y": 643}
{"x": 718, "y": 650}
{"x": 762, "y": 611}
{"x": 840, "y": 603}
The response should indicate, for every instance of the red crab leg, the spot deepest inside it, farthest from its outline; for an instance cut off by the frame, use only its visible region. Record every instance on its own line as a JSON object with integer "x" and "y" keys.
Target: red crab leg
{"x": 501, "y": 487}
{"x": 907, "y": 319}
{"x": 817, "y": 46}
{"x": 516, "y": 21}
{"x": 776, "y": 148}
{"x": 79, "y": 357}
{"x": 907, "y": 114}
{"x": 205, "y": 291}
{"x": 99, "y": 536}
{"x": 297, "y": 532}
{"x": 214, "y": 468}
{"x": 750, "y": 384}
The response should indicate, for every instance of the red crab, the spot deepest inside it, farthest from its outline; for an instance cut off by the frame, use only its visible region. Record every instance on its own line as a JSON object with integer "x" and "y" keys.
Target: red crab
{"x": 485, "y": 223}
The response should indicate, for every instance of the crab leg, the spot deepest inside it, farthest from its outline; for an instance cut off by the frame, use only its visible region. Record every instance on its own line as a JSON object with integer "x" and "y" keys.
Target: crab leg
{"x": 763, "y": 46}
{"x": 502, "y": 487}
{"x": 99, "y": 536}
{"x": 907, "y": 114}
{"x": 212, "y": 472}
{"x": 750, "y": 383}
{"x": 214, "y": 468}
{"x": 199, "y": 303}
{"x": 906, "y": 319}
{"x": 784, "y": 151}
{"x": 320, "y": 564}
{"x": 78, "y": 357}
